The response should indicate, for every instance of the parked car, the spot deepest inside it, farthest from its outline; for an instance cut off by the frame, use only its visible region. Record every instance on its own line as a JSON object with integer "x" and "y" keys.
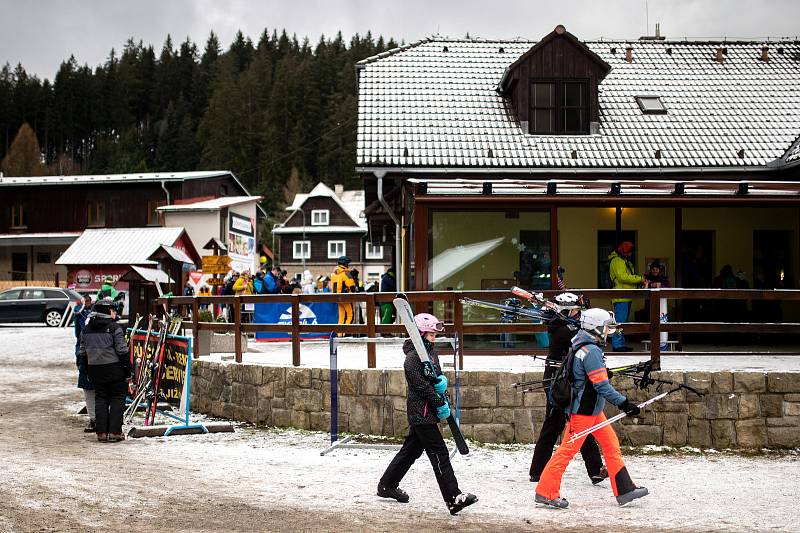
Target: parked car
{"x": 36, "y": 304}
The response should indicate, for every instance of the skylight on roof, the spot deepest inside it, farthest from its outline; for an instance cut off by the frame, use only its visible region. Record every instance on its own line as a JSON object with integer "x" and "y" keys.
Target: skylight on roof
{"x": 651, "y": 105}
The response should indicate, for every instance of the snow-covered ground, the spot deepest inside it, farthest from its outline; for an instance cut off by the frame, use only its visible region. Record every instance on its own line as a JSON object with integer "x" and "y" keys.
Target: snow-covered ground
{"x": 54, "y": 477}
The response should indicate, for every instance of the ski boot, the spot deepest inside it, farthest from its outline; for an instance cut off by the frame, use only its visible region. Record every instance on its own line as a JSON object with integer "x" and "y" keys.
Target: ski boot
{"x": 628, "y": 497}
{"x": 395, "y": 493}
{"x": 597, "y": 478}
{"x": 102, "y": 437}
{"x": 464, "y": 499}
{"x": 534, "y": 479}
{"x": 116, "y": 437}
{"x": 90, "y": 427}
{"x": 558, "y": 503}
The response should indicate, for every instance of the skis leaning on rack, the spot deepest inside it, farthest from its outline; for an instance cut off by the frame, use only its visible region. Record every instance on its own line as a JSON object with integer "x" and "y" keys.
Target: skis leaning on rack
{"x": 406, "y": 317}
{"x": 148, "y": 377}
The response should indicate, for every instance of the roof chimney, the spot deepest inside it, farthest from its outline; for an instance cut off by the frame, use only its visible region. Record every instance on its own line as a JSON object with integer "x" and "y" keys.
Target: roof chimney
{"x": 720, "y": 57}
{"x": 629, "y": 53}
{"x": 658, "y": 30}
{"x": 338, "y": 189}
{"x": 765, "y": 52}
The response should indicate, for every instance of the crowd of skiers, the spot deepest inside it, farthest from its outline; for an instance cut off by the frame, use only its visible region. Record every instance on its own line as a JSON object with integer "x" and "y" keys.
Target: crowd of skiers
{"x": 578, "y": 336}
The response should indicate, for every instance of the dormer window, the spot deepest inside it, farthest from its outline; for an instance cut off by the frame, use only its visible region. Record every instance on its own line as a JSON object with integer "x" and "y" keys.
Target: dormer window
{"x": 319, "y": 217}
{"x": 559, "y": 107}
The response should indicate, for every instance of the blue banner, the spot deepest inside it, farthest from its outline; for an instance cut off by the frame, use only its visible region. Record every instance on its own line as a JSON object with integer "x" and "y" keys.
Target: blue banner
{"x": 281, "y": 313}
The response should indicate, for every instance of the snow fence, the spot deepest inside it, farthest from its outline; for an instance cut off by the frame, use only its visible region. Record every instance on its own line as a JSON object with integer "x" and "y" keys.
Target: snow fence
{"x": 738, "y": 410}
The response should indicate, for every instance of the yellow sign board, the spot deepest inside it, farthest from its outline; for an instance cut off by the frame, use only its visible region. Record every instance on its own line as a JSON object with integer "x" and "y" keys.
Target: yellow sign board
{"x": 214, "y": 281}
{"x": 216, "y": 264}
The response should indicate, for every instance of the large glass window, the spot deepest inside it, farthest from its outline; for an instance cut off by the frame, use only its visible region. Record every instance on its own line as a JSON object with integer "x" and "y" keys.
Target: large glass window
{"x": 485, "y": 250}
{"x": 481, "y": 250}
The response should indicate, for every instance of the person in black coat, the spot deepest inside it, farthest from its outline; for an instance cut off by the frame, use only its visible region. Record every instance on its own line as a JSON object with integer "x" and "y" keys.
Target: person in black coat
{"x": 561, "y": 330}
{"x": 81, "y": 312}
{"x": 426, "y": 404}
{"x": 104, "y": 347}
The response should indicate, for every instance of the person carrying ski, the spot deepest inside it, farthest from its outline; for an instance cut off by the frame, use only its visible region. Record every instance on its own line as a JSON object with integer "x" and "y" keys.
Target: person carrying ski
{"x": 561, "y": 328}
{"x": 586, "y": 410}
{"x": 425, "y": 406}
{"x": 103, "y": 345}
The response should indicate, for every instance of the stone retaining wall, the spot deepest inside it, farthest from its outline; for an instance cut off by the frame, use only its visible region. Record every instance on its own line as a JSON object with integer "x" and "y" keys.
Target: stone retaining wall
{"x": 739, "y": 409}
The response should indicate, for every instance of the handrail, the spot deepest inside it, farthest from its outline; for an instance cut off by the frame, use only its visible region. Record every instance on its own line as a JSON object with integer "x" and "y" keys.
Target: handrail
{"x": 454, "y": 309}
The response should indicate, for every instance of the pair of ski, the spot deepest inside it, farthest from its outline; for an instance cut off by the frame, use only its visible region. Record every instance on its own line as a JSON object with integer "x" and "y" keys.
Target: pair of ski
{"x": 406, "y": 316}
{"x": 148, "y": 383}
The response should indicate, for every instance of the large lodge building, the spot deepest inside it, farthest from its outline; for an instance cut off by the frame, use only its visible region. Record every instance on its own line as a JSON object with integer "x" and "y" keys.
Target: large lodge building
{"x": 489, "y": 163}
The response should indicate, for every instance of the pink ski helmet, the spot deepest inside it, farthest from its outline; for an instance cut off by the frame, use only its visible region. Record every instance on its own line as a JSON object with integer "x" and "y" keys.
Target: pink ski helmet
{"x": 427, "y": 323}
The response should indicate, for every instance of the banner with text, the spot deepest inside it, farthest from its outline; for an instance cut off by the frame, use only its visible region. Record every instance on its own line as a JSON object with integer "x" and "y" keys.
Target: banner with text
{"x": 281, "y": 313}
{"x": 176, "y": 352}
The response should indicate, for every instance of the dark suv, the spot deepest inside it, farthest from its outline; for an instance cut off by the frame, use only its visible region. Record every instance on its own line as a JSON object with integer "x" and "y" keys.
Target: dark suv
{"x": 36, "y": 304}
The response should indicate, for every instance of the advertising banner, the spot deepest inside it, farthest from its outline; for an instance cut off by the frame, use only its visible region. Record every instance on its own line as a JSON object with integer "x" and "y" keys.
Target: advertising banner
{"x": 241, "y": 242}
{"x": 281, "y": 313}
{"x": 176, "y": 353}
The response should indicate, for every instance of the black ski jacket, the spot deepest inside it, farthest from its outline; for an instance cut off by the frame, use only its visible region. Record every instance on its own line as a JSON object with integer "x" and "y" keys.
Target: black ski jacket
{"x": 422, "y": 399}
{"x": 561, "y": 335}
{"x": 103, "y": 345}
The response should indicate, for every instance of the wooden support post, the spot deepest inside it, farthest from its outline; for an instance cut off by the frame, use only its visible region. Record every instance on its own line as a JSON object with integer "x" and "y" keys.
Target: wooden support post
{"x": 371, "y": 348}
{"x": 458, "y": 322}
{"x": 237, "y": 328}
{"x": 195, "y": 327}
{"x": 296, "y": 330}
{"x": 655, "y": 329}
{"x": 678, "y": 262}
{"x": 554, "y": 248}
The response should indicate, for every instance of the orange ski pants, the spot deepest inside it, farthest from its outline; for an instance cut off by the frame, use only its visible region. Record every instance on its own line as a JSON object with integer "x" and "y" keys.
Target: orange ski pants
{"x": 549, "y": 484}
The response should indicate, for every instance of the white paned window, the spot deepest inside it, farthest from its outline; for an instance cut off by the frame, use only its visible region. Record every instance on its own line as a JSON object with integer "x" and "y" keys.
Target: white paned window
{"x": 301, "y": 250}
{"x": 319, "y": 217}
{"x": 335, "y": 249}
{"x": 374, "y": 252}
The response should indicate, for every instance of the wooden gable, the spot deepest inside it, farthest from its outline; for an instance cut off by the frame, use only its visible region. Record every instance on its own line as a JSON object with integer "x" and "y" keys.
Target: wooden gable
{"x": 336, "y": 217}
{"x": 559, "y": 55}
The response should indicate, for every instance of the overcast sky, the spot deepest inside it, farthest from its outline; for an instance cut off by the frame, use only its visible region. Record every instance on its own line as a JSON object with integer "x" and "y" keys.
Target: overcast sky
{"x": 42, "y": 33}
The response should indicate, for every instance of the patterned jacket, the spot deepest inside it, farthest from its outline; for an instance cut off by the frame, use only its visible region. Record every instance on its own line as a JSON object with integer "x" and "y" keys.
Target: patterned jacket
{"x": 422, "y": 399}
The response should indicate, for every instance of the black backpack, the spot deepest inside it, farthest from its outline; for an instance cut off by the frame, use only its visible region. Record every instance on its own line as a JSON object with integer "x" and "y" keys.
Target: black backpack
{"x": 561, "y": 387}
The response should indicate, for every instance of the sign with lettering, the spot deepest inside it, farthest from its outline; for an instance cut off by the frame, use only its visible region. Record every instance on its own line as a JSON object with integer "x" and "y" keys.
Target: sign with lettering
{"x": 216, "y": 264}
{"x": 241, "y": 242}
{"x": 173, "y": 371}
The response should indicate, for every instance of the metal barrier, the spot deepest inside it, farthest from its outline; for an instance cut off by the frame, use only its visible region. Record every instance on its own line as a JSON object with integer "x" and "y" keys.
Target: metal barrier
{"x": 454, "y": 316}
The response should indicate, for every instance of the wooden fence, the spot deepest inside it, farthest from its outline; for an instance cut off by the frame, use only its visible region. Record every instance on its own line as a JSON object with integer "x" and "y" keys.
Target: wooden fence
{"x": 454, "y": 317}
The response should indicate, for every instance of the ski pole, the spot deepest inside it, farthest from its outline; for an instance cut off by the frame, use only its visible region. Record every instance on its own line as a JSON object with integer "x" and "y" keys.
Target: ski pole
{"x": 608, "y": 422}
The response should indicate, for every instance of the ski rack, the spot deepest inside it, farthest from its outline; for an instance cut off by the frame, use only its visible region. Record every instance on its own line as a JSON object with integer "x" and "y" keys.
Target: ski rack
{"x": 185, "y": 425}
{"x": 348, "y": 441}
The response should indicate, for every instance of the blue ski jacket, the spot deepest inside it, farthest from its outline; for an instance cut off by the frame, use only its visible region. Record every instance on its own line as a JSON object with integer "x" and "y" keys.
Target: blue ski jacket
{"x": 590, "y": 366}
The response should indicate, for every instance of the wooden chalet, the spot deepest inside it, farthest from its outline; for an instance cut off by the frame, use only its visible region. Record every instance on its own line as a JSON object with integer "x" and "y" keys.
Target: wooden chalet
{"x": 489, "y": 163}
{"x": 41, "y": 216}
{"x": 324, "y": 225}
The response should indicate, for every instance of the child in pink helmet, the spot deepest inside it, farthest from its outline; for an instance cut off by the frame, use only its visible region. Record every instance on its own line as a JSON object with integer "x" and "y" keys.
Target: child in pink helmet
{"x": 426, "y": 405}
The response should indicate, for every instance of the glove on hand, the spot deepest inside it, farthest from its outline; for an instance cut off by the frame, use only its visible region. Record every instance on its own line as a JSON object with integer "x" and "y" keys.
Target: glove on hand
{"x": 631, "y": 409}
{"x": 441, "y": 385}
{"x": 443, "y": 412}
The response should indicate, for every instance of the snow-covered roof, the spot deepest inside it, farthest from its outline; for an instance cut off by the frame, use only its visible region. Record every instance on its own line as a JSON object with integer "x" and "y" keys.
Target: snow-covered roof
{"x": 153, "y": 275}
{"x": 175, "y": 253}
{"x": 214, "y": 204}
{"x": 115, "y": 178}
{"x": 351, "y": 202}
{"x": 435, "y": 105}
{"x": 319, "y": 229}
{"x": 118, "y": 246}
{"x": 30, "y": 239}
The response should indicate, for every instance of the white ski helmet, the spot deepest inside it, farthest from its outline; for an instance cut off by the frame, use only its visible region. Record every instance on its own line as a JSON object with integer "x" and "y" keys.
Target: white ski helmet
{"x": 598, "y": 322}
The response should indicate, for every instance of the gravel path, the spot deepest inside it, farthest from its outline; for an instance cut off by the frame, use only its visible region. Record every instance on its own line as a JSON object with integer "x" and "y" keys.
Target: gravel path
{"x": 56, "y": 478}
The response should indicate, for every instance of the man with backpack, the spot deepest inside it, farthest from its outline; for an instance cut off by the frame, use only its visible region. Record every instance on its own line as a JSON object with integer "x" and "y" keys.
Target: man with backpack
{"x": 581, "y": 388}
{"x": 561, "y": 328}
